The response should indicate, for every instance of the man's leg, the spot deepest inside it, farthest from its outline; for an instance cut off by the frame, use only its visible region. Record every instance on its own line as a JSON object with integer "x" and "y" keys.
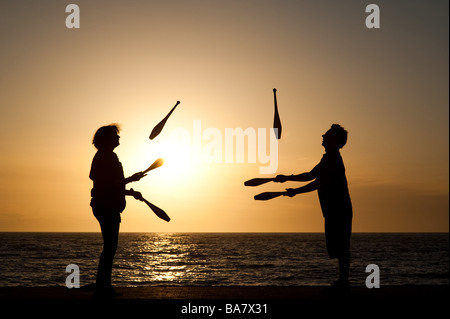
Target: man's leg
{"x": 344, "y": 267}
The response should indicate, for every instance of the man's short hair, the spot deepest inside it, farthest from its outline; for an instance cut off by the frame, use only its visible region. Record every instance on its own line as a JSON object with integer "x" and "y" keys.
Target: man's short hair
{"x": 340, "y": 134}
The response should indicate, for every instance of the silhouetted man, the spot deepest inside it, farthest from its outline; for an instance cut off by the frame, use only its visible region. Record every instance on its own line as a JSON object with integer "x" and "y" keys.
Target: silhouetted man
{"x": 108, "y": 201}
{"x": 331, "y": 184}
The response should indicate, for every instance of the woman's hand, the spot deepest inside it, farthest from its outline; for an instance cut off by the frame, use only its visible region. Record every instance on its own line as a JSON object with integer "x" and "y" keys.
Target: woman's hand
{"x": 135, "y": 177}
{"x": 136, "y": 195}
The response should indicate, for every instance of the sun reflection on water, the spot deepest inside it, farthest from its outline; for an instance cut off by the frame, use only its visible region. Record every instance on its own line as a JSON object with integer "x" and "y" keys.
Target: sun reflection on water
{"x": 162, "y": 258}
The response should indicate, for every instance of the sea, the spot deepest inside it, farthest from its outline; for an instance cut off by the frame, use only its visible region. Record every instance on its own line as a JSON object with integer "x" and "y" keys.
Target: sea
{"x": 222, "y": 259}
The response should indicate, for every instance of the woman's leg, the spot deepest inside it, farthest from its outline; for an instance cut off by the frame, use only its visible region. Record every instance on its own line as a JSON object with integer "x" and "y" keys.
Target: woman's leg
{"x": 110, "y": 234}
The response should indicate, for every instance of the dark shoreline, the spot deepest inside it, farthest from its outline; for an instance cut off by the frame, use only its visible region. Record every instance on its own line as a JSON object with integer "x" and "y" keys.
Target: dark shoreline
{"x": 272, "y": 302}
{"x": 409, "y": 292}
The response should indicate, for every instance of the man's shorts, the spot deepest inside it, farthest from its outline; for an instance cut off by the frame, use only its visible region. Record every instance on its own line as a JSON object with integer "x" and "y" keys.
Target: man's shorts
{"x": 337, "y": 235}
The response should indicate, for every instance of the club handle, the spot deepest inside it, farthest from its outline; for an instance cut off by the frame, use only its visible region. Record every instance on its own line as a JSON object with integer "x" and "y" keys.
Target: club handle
{"x": 258, "y": 181}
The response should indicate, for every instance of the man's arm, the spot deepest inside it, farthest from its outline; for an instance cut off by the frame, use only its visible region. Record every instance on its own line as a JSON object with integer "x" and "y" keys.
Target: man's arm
{"x": 304, "y": 177}
{"x": 291, "y": 192}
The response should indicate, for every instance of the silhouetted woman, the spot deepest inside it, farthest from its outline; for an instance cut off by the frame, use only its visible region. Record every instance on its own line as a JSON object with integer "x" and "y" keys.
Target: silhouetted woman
{"x": 108, "y": 200}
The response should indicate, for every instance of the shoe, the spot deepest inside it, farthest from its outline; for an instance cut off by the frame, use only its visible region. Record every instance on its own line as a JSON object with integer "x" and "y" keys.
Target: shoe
{"x": 106, "y": 293}
{"x": 338, "y": 288}
{"x": 341, "y": 284}
{"x": 114, "y": 293}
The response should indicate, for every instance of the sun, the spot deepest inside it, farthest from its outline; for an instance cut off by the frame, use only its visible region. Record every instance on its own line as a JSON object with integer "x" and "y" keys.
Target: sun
{"x": 177, "y": 158}
{"x": 177, "y": 155}
{"x": 180, "y": 167}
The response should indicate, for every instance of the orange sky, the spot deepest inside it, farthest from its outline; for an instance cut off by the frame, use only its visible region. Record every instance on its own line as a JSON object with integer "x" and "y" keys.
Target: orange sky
{"x": 130, "y": 61}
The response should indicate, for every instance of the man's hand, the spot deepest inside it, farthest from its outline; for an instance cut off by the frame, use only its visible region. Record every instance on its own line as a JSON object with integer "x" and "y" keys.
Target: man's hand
{"x": 281, "y": 179}
{"x": 291, "y": 192}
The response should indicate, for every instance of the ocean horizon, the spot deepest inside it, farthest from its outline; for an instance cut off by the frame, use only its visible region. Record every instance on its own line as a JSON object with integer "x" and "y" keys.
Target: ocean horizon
{"x": 36, "y": 259}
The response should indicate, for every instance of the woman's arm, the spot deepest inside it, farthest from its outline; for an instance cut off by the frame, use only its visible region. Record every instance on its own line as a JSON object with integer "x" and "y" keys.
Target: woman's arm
{"x": 134, "y": 178}
{"x": 132, "y": 192}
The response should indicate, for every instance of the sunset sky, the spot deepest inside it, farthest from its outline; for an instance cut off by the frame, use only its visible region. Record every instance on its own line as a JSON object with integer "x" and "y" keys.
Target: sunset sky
{"x": 130, "y": 61}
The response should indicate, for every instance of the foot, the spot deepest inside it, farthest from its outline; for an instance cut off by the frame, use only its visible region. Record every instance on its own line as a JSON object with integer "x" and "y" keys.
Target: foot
{"x": 337, "y": 288}
{"x": 106, "y": 293}
{"x": 114, "y": 293}
{"x": 341, "y": 283}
